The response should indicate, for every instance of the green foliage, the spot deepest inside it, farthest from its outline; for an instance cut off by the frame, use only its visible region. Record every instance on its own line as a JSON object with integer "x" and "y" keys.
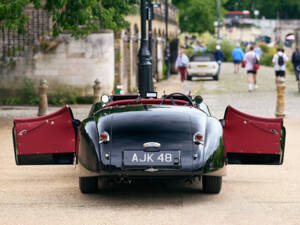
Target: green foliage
{"x": 189, "y": 52}
{"x": 267, "y": 57}
{"x": 290, "y": 67}
{"x": 61, "y": 94}
{"x": 25, "y": 92}
{"x": 197, "y": 15}
{"x": 226, "y": 46}
{"x": 77, "y": 16}
{"x": 165, "y": 72}
{"x": 268, "y": 8}
{"x": 264, "y": 48}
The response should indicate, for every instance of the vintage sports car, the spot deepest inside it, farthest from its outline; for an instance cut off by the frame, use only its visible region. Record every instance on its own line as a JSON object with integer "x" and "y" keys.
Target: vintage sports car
{"x": 203, "y": 65}
{"x": 126, "y": 137}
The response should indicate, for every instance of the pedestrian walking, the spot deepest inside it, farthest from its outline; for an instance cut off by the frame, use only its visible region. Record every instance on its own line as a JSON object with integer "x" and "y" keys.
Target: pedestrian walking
{"x": 296, "y": 62}
{"x": 280, "y": 60}
{"x": 181, "y": 64}
{"x": 251, "y": 60}
{"x": 219, "y": 57}
{"x": 258, "y": 51}
{"x": 237, "y": 57}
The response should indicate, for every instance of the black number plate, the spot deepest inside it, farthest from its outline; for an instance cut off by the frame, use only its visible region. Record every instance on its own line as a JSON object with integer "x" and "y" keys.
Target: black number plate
{"x": 141, "y": 158}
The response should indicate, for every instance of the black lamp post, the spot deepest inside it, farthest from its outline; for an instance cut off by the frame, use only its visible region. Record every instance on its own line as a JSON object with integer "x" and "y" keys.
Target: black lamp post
{"x": 150, "y": 15}
{"x": 145, "y": 62}
{"x": 219, "y": 20}
{"x": 167, "y": 51}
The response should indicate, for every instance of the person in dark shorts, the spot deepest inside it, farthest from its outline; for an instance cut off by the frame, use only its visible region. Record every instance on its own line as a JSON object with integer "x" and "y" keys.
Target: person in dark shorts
{"x": 280, "y": 60}
{"x": 250, "y": 59}
{"x": 237, "y": 57}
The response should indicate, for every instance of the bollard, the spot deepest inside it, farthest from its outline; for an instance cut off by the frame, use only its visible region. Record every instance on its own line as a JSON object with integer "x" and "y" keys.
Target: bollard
{"x": 96, "y": 91}
{"x": 280, "y": 105}
{"x": 43, "y": 99}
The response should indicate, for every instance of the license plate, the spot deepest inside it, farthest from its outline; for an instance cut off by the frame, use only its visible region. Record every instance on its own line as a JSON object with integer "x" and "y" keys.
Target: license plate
{"x": 141, "y": 158}
{"x": 202, "y": 66}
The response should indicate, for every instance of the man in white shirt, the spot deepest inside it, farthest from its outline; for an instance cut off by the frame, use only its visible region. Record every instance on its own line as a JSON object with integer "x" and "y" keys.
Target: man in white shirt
{"x": 182, "y": 62}
{"x": 280, "y": 60}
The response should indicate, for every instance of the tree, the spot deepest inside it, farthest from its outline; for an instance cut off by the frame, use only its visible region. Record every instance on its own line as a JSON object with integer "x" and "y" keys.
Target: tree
{"x": 197, "y": 15}
{"x": 269, "y": 8}
{"x": 80, "y": 17}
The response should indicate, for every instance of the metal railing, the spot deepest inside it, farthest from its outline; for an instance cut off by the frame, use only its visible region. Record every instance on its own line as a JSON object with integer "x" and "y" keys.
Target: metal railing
{"x": 13, "y": 44}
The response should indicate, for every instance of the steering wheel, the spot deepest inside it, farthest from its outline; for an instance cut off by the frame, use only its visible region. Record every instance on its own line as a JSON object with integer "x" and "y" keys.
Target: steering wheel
{"x": 170, "y": 96}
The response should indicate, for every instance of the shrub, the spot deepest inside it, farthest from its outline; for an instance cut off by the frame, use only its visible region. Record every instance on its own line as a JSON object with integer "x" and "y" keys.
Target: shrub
{"x": 264, "y": 48}
{"x": 267, "y": 57}
{"x": 227, "y": 46}
{"x": 189, "y": 52}
{"x": 29, "y": 94}
{"x": 290, "y": 67}
{"x": 84, "y": 99}
{"x": 24, "y": 92}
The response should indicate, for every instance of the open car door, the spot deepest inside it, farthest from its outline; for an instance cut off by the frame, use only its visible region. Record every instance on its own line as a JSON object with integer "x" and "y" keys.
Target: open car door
{"x": 253, "y": 140}
{"x": 49, "y": 139}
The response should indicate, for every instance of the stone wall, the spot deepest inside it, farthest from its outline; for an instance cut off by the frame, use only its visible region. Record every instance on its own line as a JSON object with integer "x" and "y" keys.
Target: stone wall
{"x": 74, "y": 62}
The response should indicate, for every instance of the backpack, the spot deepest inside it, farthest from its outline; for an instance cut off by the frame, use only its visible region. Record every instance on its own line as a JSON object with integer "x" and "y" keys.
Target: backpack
{"x": 280, "y": 60}
{"x": 297, "y": 57}
{"x": 256, "y": 63}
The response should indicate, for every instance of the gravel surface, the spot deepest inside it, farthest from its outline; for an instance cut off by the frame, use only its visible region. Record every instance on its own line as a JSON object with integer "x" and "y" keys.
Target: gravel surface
{"x": 232, "y": 89}
{"x": 261, "y": 195}
{"x": 264, "y": 195}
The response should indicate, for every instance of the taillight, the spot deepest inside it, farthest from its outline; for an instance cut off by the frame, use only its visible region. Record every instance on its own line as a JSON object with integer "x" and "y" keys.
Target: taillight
{"x": 190, "y": 67}
{"x": 104, "y": 137}
{"x": 214, "y": 66}
{"x": 198, "y": 138}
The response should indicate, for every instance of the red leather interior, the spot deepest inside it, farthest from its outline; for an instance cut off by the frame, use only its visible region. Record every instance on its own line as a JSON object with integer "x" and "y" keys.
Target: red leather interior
{"x": 52, "y": 133}
{"x": 147, "y": 102}
{"x": 244, "y": 133}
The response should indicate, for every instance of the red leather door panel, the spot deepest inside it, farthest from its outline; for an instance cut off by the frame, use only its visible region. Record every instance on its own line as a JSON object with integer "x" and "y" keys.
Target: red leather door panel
{"x": 49, "y": 139}
{"x": 252, "y": 140}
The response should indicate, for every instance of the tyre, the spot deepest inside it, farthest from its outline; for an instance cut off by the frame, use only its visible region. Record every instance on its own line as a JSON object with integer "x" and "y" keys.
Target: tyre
{"x": 88, "y": 184}
{"x": 188, "y": 77}
{"x": 103, "y": 183}
{"x": 212, "y": 184}
{"x": 216, "y": 77}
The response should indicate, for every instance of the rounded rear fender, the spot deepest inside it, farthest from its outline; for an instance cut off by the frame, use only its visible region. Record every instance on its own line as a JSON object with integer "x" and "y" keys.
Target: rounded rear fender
{"x": 88, "y": 154}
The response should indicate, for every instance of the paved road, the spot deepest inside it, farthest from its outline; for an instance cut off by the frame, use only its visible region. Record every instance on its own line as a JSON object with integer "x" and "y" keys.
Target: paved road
{"x": 250, "y": 194}
{"x": 232, "y": 89}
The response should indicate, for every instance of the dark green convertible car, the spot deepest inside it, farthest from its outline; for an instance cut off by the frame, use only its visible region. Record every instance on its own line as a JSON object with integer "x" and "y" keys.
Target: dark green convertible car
{"x": 126, "y": 137}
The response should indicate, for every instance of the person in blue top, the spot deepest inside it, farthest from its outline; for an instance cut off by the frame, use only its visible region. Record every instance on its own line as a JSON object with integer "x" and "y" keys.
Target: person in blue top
{"x": 258, "y": 51}
{"x": 219, "y": 56}
{"x": 237, "y": 57}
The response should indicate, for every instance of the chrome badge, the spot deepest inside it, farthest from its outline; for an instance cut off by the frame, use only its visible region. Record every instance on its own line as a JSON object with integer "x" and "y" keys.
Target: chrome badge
{"x": 151, "y": 145}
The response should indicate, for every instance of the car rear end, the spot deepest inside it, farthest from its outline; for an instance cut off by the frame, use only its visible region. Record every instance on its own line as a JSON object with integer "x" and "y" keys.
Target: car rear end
{"x": 202, "y": 66}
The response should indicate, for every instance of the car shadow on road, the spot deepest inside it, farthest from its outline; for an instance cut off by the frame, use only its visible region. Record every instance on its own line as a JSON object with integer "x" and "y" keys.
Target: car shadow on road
{"x": 152, "y": 192}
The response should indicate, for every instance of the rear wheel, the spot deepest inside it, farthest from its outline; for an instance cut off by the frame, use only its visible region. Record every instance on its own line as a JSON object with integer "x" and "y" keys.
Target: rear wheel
{"x": 88, "y": 184}
{"x": 212, "y": 184}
